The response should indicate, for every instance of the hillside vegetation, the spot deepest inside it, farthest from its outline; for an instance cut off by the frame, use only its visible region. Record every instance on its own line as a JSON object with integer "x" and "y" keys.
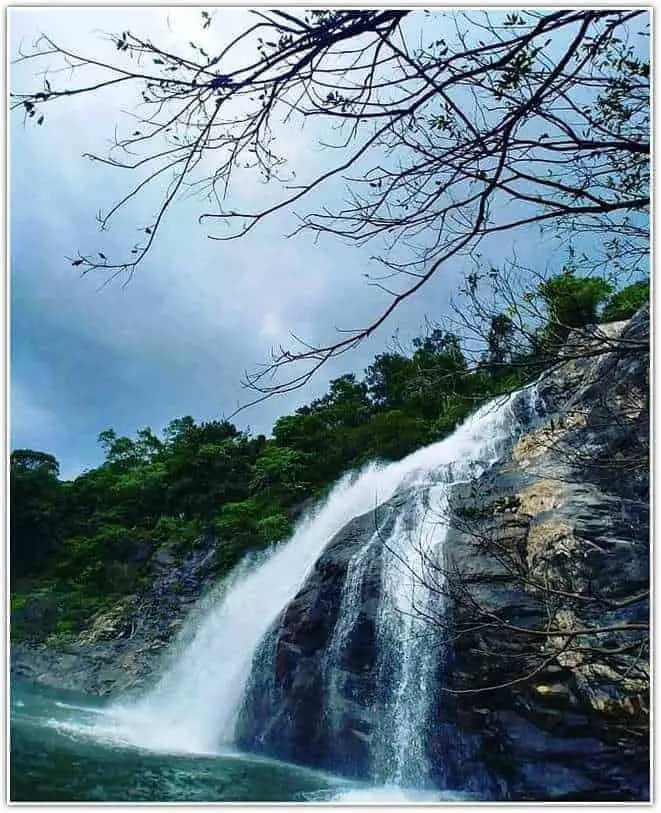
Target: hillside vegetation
{"x": 79, "y": 546}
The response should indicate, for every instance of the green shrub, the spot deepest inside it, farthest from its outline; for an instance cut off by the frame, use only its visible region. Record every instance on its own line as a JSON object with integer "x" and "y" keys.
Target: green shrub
{"x": 626, "y": 302}
{"x": 274, "y": 528}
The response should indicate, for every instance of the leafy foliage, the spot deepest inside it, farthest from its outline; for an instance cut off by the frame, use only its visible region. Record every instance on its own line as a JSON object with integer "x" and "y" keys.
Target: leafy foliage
{"x": 626, "y": 302}
{"x": 574, "y": 301}
{"x": 78, "y": 546}
{"x": 35, "y": 509}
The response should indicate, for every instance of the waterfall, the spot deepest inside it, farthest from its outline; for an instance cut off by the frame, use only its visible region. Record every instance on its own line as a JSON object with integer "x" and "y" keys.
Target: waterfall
{"x": 347, "y": 618}
{"x": 407, "y": 642}
{"x": 194, "y": 705}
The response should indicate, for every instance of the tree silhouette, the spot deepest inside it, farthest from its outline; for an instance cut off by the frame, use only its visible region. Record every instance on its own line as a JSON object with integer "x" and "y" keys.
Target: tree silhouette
{"x": 469, "y": 125}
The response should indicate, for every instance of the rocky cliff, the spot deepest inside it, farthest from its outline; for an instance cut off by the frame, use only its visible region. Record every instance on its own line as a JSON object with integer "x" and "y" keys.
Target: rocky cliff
{"x": 556, "y": 539}
{"x": 286, "y": 709}
{"x": 543, "y": 682}
{"x": 122, "y": 647}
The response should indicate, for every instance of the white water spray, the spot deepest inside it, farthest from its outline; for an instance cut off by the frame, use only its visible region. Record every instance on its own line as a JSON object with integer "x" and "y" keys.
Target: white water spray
{"x": 194, "y": 705}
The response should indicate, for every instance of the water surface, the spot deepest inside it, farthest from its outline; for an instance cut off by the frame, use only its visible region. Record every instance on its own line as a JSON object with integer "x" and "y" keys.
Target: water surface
{"x": 56, "y": 757}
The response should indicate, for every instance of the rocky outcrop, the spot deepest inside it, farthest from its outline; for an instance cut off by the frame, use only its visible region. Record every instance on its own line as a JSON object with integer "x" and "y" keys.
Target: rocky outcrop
{"x": 543, "y": 689}
{"x": 293, "y": 707}
{"x": 121, "y": 648}
{"x": 555, "y": 539}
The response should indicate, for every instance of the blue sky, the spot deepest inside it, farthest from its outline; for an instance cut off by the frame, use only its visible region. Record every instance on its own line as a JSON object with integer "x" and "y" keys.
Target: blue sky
{"x": 178, "y": 338}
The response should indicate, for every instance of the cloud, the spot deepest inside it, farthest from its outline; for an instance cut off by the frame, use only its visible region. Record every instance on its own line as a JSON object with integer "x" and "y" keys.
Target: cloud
{"x": 175, "y": 341}
{"x": 179, "y": 337}
{"x": 31, "y": 415}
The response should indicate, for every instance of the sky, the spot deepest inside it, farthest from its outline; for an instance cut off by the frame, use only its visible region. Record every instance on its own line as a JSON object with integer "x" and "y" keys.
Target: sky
{"x": 178, "y": 338}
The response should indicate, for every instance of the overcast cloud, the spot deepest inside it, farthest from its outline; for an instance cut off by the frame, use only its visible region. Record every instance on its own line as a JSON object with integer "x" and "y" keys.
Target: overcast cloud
{"x": 178, "y": 338}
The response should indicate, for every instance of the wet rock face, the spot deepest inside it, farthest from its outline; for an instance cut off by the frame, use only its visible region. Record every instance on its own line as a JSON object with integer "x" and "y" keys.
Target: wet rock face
{"x": 559, "y": 532}
{"x": 558, "y": 529}
{"x": 296, "y": 707}
{"x": 122, "y": 647}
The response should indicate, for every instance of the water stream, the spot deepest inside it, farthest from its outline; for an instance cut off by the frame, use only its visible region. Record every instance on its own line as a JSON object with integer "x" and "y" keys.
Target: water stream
{"x": 193, "y": 706}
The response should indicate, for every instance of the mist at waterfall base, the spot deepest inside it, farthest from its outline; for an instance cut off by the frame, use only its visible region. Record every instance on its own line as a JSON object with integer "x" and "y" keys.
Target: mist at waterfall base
{"x": 175, "y": 741}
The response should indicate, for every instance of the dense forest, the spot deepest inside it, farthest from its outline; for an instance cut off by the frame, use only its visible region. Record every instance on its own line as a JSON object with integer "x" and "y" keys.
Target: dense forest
{"x": 81, "y": 545}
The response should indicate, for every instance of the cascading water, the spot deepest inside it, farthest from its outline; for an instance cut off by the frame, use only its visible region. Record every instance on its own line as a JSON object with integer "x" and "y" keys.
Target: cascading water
{"x": 407, "y": 642}
{"x": 194, "y": 705}
{"x": 347, "y": 619}
{"x": 412, "y": 597}
{"x": 413, "y": 602}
